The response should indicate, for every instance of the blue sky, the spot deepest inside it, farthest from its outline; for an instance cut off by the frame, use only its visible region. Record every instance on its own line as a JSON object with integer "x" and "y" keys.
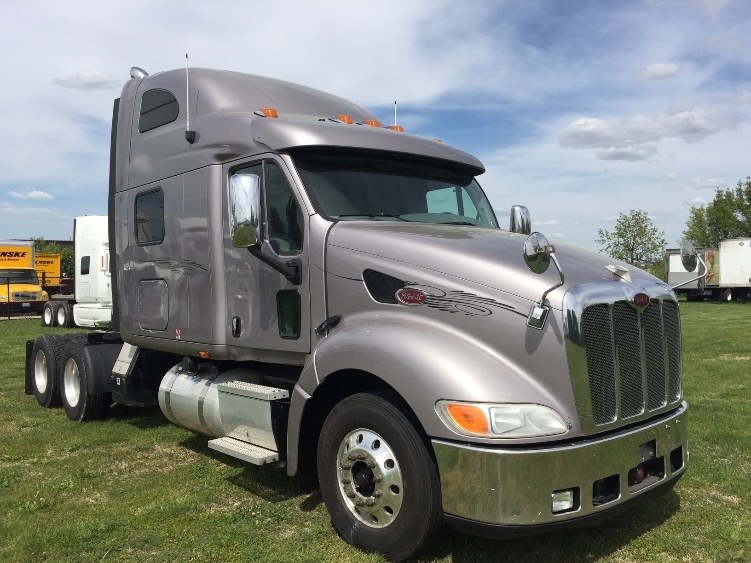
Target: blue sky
{"x": 580, "y": 110}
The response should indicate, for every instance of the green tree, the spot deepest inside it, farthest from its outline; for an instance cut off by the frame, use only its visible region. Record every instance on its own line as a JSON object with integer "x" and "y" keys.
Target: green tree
{"x": 42, "y": 246}
{"x": 727, "y": 216}
{"x": 66, "y": 262}
{"x": 635, "y": 240}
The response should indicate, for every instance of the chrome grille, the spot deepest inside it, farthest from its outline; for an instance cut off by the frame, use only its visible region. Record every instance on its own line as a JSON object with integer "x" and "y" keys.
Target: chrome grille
{"x": 25, "y": 296}
{"x": 633, "y": 359}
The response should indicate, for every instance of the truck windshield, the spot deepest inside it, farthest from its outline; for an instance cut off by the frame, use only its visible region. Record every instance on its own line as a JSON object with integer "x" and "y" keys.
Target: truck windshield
{"x": 18, "y": 276}
{"x": 347, "y": 186}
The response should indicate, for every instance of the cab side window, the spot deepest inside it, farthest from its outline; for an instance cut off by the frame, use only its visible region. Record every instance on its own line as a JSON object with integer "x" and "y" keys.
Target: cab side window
{"x": 285, "y": 222}
{"x": 149, "y": 211}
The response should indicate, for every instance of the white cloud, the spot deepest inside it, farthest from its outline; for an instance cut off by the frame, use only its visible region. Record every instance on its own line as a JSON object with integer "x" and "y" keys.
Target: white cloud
{"x": 33, "y": 194}
{"x": 660, "y": 70}
{"x": 547, "y": 223}
{"x": 711, "y": 7}
{"x": 628, "y": 140}
{"x": 698, "y": 201}
{"x": 88, "y": 80}
{"x": 632, "y": 153}
{"x": 711, "y": 183}
{"x": 671, "y": 176}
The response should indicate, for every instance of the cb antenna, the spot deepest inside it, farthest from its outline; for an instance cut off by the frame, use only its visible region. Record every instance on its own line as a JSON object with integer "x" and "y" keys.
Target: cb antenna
{"x": 394, "y": 112}
{"x": 190, "y": 136}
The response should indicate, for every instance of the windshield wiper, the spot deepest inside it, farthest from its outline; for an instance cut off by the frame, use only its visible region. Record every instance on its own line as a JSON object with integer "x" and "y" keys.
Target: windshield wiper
{"x": 457, "y": 223}
{"x": 371, "y": 215}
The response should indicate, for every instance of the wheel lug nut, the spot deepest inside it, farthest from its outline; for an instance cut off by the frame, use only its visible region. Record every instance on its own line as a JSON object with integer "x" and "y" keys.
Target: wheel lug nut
{"x": 346, "y": 466}
{"x": 346, "y": 480}
{"x": 360, "y": 503}
{"x": 361, "y": 456}
{"x": 371, "y": 464}
{"x": 377, "y": 478}
{"x": 377, "y": 494}
{"x": 351, "y": 494}
{"x": 370, "y": 502}
{"x": 352, "y": 457}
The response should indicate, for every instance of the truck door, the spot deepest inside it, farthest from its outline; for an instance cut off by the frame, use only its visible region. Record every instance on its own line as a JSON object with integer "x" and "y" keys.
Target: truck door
{"x": 266, "y": 311}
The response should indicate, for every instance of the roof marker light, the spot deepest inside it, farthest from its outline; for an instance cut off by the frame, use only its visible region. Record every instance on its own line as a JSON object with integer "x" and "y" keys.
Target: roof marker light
{"x": 267, "y": 112}
{"x": 437, "y": 140}
{"x": 396, "y": 128}
{"x": 342, "y": 119}
{"x": 371, "y": 122}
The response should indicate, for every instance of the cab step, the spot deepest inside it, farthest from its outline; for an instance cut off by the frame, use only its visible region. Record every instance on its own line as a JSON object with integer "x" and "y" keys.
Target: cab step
{"x": 244, "y": 451}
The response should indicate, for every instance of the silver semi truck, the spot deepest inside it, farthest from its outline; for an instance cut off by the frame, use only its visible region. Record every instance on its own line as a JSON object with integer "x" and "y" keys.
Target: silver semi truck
{"x": 315, "y": 291}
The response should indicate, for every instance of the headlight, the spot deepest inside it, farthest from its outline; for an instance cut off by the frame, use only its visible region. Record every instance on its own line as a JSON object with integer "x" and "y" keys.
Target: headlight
{"x": 504, "y": 420}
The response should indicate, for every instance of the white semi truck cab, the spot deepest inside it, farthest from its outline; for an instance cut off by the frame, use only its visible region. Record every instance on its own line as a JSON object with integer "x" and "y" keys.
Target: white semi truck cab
{"x": 314, "y": 291}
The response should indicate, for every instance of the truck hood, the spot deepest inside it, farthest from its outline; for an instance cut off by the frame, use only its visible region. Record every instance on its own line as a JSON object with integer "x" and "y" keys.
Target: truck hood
{"x": 489, "y": 257}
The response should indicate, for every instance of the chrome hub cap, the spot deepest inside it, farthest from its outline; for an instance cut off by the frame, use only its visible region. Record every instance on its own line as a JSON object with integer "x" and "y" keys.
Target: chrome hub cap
{"x": 40, "y": 372}
{"x": 370, "y": 480}
{"x": 71, "y": 383}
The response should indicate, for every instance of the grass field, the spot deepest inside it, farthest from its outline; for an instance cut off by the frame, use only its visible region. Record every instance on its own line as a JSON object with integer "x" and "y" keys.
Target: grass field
{"x": 137, "y": 488}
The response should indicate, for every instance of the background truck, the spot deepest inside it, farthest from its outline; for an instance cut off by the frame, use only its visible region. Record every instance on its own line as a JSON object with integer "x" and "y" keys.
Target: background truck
{"x": 316, "y": 292}
{"x": 47, "y": 267}
{"x": 727, "y": 274}
{"x": 91, "y": 305}
{"x": 20, "y": 289}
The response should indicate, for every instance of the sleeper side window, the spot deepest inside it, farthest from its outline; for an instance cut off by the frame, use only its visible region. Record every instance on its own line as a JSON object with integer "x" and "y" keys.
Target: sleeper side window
{"x": 85, "y": 265}
{"x": 149, "y": 211}
{"x": 158, "y": 107}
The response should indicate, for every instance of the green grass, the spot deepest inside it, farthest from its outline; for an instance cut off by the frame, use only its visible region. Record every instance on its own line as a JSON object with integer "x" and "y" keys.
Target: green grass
{"x": 136, "y": 488}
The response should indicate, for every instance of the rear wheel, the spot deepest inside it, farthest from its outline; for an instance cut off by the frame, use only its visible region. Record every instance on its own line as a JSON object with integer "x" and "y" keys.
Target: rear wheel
{"x": 63, "y": 315}
{"x": 80, "y": 405}
{"x": 48, "y": 314}
{"x": 46, "y": 355}
{"x": 377, "y": 477}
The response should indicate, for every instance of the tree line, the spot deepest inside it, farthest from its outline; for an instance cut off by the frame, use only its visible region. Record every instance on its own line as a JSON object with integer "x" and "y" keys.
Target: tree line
{"x": 636, "y": 240}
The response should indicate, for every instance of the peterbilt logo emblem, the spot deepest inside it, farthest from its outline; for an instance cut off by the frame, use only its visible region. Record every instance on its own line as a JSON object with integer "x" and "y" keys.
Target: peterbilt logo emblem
{"x": 407, "y": 296}
{"x": 641, "y": 300}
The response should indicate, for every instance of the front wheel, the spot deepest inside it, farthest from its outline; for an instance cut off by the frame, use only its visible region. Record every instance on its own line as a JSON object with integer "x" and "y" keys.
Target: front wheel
{"x": 80, "y": 405}
{"x": 377, "y": 477}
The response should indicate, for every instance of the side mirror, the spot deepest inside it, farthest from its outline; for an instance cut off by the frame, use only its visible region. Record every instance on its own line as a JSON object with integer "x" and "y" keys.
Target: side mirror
{"x": 245, "y": 210}
{"x": 688, "y": 255}
{"x": 519, "y": 220}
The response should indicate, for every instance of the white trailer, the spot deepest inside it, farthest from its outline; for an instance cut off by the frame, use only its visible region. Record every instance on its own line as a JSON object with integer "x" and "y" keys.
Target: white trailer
{"x": 734, "y": 269}
{"x": 92, "y": 303}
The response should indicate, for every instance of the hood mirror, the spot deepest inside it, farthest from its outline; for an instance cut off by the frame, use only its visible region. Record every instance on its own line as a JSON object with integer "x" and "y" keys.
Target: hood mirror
{"x": 689, "y": 258}
{"x": 688, "y": 255}
{"x": 537, "y": 255}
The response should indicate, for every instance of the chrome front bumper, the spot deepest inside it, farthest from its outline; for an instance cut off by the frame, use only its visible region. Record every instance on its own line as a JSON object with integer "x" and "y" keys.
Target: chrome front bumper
{"x": 512, "y": 487}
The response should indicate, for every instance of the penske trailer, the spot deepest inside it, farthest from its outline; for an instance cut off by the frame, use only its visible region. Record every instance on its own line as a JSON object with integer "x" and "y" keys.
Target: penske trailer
{"x": 316, "y": 292}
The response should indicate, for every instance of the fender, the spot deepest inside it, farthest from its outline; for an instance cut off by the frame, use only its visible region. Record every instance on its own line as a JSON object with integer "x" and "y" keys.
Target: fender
{"x": 414, "y": 355}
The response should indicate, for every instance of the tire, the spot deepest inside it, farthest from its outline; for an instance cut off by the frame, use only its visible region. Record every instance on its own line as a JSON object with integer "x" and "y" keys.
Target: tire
{"x": 79, "y": 404}
{"x": 63, "y": 315}
{"x": 725, "y": 295}
{"x": 45, "y": 381}
{"x": 49, "y": 312}
{"x": 377, "y": 477}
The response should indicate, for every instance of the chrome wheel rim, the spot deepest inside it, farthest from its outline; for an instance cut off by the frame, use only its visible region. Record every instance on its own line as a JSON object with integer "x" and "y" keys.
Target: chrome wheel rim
{"x": 71, "y": 382}
{"x": 47, "y": 315}
{"x": 40, "y": 371}
{"x": 61, "y": 316}
{"x": 370, "y": 480}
